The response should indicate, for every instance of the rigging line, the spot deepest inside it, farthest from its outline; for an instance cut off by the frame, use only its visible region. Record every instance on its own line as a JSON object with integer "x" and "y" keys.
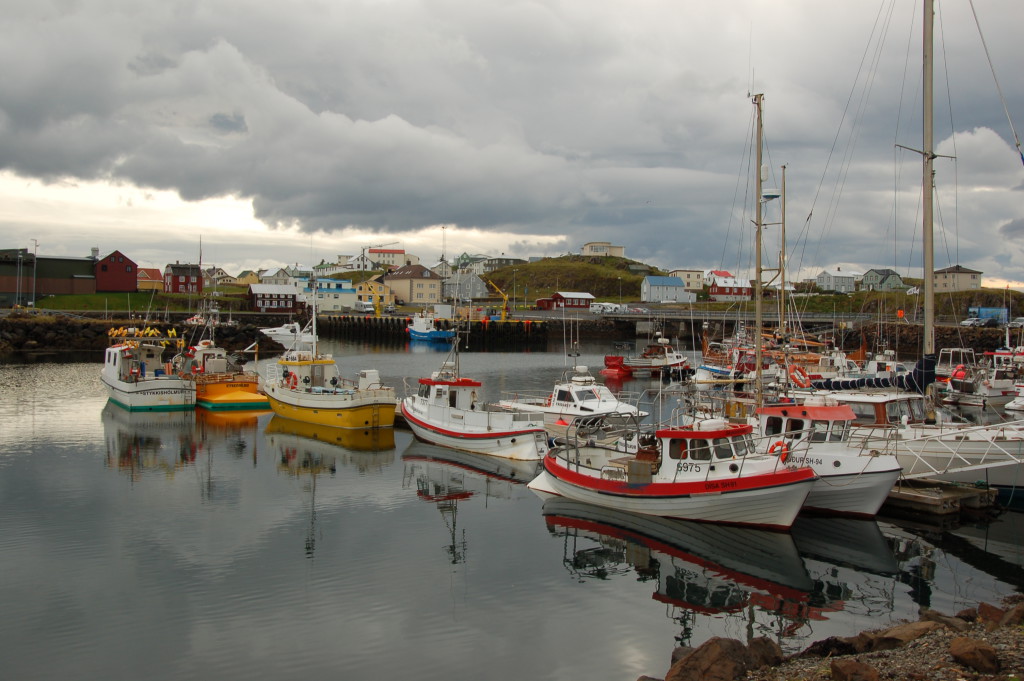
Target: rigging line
{"x": 742, "y": 174}
{"x": 956, "y": 166}
{"x": 999, "y": 88}
{"x": 842, "y": 121}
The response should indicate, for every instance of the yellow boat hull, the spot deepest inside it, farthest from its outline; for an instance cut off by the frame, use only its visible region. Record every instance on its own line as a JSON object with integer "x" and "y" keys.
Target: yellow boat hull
{"x": 367, "y": 415}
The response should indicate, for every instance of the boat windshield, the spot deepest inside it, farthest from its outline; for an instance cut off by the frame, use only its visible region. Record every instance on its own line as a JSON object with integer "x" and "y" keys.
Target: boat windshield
{"x": 830, "y": 431}
{"x": 587, "y": 395}
{"x": 913, "y": 409}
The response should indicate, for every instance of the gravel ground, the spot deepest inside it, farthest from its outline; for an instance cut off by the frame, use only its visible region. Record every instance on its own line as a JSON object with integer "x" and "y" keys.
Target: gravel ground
{"x": 926, "y": 658}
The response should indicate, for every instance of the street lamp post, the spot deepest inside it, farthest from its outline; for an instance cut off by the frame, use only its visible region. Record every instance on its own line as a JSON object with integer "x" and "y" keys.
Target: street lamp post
{"x": 35, "y": 260}
{"x": 514, "y": 271}
{"x": 620, "y": 291}
{"x": 17, "y": 288}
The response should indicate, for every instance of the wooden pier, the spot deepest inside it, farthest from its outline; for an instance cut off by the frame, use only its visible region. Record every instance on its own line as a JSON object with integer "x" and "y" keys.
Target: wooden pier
{"x": 938, "y": 498}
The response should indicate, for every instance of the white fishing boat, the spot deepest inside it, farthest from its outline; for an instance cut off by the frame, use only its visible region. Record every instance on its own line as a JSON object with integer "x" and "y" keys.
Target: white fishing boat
{"x": 138, "y": 378}
{"x": 710, "y": 471}
{"x": 447, "y": 410}
{"x": 577, "y": 394}
{"x": 852, "y": 480}
{"x": 291, "y": 335}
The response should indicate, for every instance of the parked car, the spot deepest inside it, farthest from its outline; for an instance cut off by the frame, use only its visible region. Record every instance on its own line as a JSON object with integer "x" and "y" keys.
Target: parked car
{"x": 1017, "y": 323}
{"x": 970, "y": 321}
{"x": 989, "y": 322}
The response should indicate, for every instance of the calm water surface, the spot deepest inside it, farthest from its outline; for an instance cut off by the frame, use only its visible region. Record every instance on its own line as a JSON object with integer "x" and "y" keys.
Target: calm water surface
{"x": 177, "y": 546}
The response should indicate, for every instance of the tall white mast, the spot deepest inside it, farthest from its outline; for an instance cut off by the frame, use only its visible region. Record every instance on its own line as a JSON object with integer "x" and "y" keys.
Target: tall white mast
{"x": 927, "y": 179}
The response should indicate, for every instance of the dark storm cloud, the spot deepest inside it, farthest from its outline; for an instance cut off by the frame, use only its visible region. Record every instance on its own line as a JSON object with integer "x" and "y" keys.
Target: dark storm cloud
{"x": 573, "y": 120}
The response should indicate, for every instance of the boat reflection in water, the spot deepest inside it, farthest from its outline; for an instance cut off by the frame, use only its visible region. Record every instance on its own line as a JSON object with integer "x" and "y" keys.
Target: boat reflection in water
{"x": 444, "y": 477}
{"x": 302, "y": 444}
{"x": 702, "y": 570}
{"x": 854, "y": 571}
{"x": 306, "y": 451}
{"x": 139, "y": 442}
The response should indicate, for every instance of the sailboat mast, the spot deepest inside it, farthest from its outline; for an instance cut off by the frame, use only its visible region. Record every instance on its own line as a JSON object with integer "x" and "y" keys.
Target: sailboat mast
{"x": 782, "y": 259}
{"x": 758, "y": 349}
{"x": 927, "y": 181}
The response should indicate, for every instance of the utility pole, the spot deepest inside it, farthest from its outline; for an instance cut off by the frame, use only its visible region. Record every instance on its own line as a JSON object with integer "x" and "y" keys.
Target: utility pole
{"x": 35, "y": 260}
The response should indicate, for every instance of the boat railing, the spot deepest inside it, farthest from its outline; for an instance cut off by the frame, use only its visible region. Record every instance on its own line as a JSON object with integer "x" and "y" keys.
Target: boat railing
{"x": 534, "y": 397}
{"x": 964, "y": 449}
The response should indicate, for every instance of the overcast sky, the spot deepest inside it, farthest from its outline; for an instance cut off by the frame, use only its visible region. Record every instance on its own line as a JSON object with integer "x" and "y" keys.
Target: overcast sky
{"x": 293, "y": 132}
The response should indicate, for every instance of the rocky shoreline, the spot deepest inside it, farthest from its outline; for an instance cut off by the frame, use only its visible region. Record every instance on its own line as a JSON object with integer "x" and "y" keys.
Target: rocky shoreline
{"x": 979, "y": 644}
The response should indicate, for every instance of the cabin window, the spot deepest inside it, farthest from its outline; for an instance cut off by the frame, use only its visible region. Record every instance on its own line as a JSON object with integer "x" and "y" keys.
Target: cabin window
{"x": 677, "y": 449}
{"x": 699, "y": 450}
{"x": 840, "y": 431}
{"x": 795, "y": 428}
{"x": 452, "y": 394}
{"x": 563, "y": 396}
{"x": 863, "y": 412}
{"x": 742, "y": 445}
{"x": 820, "y": 431}
{"x": 773, "y": 425}
{"x": 587, "y": 396}
{"x": 424, "y": 391}
{"x": 723, "y": 448}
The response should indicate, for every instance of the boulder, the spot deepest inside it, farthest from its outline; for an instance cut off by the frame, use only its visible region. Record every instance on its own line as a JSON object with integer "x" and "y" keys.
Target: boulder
{"x": 1013, "y": 616}
{"x": 901, "y": 634}
{"x": 764, "y": 652}
{"x": 852, "y": 670}
{"x": 718, "y": 659}
{"x": 955, "y": 623}
{"x": 978, "y": 655}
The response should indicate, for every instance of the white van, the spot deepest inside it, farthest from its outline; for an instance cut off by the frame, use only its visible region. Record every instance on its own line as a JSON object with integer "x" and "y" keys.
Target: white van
{"x": 364, "y": 306}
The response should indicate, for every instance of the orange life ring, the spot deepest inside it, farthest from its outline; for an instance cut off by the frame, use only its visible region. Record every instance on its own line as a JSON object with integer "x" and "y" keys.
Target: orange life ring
{"x": 293, "y": 380}
{"x": 799, "y": 376}
{"x": 783, "y": 454}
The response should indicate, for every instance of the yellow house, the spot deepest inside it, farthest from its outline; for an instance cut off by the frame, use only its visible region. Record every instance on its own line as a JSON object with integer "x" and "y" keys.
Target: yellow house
{"x": 149, "y": 279}
{"x": 247, "y": 277}
{"x": 957, "y": 278}
{"x": 373, "y": 291}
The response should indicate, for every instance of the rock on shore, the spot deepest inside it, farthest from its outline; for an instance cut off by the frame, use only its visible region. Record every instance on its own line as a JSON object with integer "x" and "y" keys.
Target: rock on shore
{"x": 983, "y": 643}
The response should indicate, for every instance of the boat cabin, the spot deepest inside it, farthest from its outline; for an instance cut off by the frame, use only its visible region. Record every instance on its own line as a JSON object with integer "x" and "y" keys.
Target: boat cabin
{"x": 884, "y": 408}
{"x": 818, "y": 418}
{"x": 711, "y": 439}
{"x": 445, "y": 388}
{"x": 952, "y": 357}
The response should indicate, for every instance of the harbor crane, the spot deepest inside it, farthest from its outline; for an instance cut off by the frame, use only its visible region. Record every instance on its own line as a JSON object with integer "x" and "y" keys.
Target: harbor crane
{"x": 504, "y": 297}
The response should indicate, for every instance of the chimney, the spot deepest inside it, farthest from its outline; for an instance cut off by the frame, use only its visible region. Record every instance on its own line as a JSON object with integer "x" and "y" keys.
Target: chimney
{"x": 95, "y": 252}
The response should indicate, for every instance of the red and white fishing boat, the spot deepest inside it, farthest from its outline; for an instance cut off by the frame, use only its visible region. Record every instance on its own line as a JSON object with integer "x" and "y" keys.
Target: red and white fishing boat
{"x": 709, "y": 471}
{"x": 448, "y": 410}
{"x": 657, "y": 359}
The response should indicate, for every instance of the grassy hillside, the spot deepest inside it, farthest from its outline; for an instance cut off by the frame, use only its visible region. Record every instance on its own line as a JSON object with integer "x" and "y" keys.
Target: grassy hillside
{"x": 600, "y": 276}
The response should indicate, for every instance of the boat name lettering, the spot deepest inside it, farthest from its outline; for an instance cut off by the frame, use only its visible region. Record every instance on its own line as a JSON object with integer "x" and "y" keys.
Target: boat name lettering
{"x": 807, "y": 461}
{"x": 724, "y": 484}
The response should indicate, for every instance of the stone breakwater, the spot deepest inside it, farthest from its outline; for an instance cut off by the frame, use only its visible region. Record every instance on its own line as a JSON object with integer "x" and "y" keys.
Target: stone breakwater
{"x": 983, "y": 643}
{"x": 47, "y": 336}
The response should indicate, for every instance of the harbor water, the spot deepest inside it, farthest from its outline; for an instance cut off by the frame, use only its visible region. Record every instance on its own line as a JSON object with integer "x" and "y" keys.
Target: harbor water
{"x": 240, "y": 546}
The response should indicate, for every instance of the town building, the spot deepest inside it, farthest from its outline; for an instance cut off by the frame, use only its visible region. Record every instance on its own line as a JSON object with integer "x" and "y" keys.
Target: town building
{"x": 565, "y": 299}
{"x": 116, "y": 273}
{"x": 654, "y": 289}
{"x": 882, "y": 280}
{"x": 333, "y": 295}
{"x": 273, "y": 298}
{"x": 957, "y": 278}
{"x": 693, "y": 280}
{"x": 465, "y": 286}
{"x": 837, "y": 280}
{"x": 246, "y": 277}
{"x": 603, "y": 248}
{"x": 373, "y": 290}
{"x": 414, "y": 285}
{"x": 26, "y": 277}
{"x": 723, "y": 287}
{"x": 149, "y": 279}
{"x": 183, "y": 278}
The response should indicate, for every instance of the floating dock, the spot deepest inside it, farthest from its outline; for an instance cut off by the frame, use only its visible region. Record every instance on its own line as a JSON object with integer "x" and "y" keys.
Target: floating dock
{"x": 935, "y": 497}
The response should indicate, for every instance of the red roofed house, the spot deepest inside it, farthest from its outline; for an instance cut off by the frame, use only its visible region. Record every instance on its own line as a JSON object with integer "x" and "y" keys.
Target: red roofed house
{"x": 180, "y": 278}
{"x": 116, "y": 272}
{"x": 149, "y": 279}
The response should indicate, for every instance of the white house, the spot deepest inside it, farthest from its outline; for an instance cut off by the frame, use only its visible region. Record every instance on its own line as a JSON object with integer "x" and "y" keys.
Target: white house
{"x": 657, "y": 289}
{"x": 837, "y": 280}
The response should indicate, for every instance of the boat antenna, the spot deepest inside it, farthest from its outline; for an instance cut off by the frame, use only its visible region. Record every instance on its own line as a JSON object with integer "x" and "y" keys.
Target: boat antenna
{"x": 999, "y": 89}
